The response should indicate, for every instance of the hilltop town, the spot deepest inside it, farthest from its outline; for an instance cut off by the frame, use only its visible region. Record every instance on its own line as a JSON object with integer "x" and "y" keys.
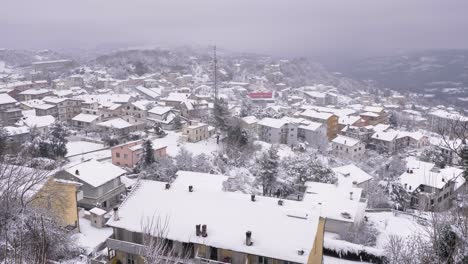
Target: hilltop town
{"x": 176, "y": 156}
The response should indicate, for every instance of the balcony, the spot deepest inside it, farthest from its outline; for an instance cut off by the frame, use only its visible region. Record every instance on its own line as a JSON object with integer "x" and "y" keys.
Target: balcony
{"x": 125, "y": 246}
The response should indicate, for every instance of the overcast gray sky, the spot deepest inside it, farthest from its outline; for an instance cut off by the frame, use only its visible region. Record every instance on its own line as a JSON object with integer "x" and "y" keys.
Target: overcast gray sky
{"x": 297, "y": 27}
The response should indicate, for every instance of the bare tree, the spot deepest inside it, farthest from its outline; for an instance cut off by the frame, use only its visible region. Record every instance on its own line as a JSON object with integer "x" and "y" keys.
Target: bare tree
{"x": 159, "y": 249}
{"x": 29, "y": 233}
{"x": 454, "y": 134}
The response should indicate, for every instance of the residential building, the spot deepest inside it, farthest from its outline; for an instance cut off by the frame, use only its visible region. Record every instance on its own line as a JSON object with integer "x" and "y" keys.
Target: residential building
{"x": 17, "y": 135}
{"x": 348, "y": 148}
{"x": 120, "y": 126}
{"x": 130, "y": 153}
{"x": 196, "y": 131}
{"x": 32, "y": 94}
{"x": 447, "y": 122}
{"x": 236, "y": 232}
{"x": 352, "y": 176}
{"x": 41, "y": 124}
{"x": 329, "y": 119}
{"x": 101, "y": 184}
{"x": 342, "y": 206}
{"x": 277, "y": 131}
{"x": 67, "y": 108}
{"x": 373, "y": 115}
{"x": 164, "y": 116}
{"x": 86, "y": 121}
{"x": 432, "y": 188}
{"x": 9, "y": 112}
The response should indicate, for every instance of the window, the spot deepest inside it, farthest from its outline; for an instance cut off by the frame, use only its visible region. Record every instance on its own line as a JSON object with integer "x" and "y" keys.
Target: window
{"x": 117, "y": 154}
{"x": 439, "y": 200}
{"x": 130, "y": 259}
{"x": 262, "y": 260}
{"x": 125, "y": 156}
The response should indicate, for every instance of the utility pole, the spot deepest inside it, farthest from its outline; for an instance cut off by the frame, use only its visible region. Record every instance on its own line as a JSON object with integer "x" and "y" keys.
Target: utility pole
{"x": 215, "y": 73}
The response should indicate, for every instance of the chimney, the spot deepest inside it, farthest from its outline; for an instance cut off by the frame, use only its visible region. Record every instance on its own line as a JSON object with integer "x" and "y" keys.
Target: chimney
{"x": 204, "y": 232}
{"x": 280, "y": 202}
{"x": 252, "y": 197}
{"x": 168, "y": 185}
{"x": 190, "y": 188}
{"x": 197, "y": 230}
{"x": 116, "y": 214}
{"x": 77, "y": 172}
{"x": 248, "y": 238}
{"x": 350, "y": 195}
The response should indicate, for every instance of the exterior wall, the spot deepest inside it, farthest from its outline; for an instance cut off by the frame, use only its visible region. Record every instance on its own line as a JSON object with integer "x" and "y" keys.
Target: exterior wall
{"x": 432, "y": 199}
{"x": 122, "y": 155}
{"x": 332, "y": 127}
{"x": 60, "y": 199}
{"x": 355, "y": 152}
{"x": 269, "y": 134}
{"x": 317, "y": 139}
{"x": 335, "y": 226}
{"x": 196, "y": 134}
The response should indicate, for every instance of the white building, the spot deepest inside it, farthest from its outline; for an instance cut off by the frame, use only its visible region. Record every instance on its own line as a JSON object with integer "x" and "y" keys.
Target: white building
{"x": 348, "y": 148}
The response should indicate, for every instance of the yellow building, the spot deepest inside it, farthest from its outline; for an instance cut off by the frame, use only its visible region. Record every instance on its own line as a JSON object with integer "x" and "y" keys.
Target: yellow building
{"x": 60, "y": 197}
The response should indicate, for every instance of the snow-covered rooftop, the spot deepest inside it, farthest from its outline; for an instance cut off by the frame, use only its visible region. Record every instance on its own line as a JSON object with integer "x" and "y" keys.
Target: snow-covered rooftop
{"x": 97, "y": 211}
{"x": 160, "y": 110}
{"x": 373, "y": 109}
{"x": 199, "y": 181}
{"x": 347, "y": 141}
{"x": 6, "y": 99}
{"x": 316, "y": 115}
{"x": 95, "y": 173}
{"x": 333, "y": 200}
{"x": 425, "y": 173}
{"x": 35, "y": 91}
{"x": 272, "y": 122}
{"x": 278, "y": 232}
{"x": 37, "y": 121}
{"x": 349, "y": 174}
{"x": 85, "y": 118}
{"x": 117, "y": 123}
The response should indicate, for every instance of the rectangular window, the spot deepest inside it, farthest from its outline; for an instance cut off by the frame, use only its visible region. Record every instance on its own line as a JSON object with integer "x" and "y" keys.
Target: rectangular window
{"x": 125, "y": 156}
{"x": 117, "y": 154}
{"x": 262, "y": 260}
{"x": 130, "y": 259}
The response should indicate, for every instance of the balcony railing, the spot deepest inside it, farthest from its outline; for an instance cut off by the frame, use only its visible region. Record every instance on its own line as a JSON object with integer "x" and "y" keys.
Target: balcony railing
{"x": 125, "y": 246}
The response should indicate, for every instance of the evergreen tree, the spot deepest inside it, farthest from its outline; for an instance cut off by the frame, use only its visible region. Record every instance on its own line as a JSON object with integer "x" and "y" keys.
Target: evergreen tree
{"x": 221, "y": 114}
{"x": 58, "y": 141}
{"x": 445, "y": 244}
{"x": 148, "y": 153}
{"x": 464, "y": 161}
{"x": 268, "y": 170}
{"x": 177, "y": 122}
{"x": 3, "y": 141}
{"x": 393, "y": 120}
{"x": 236, "y": 136}
{"x": 246, "y": 108}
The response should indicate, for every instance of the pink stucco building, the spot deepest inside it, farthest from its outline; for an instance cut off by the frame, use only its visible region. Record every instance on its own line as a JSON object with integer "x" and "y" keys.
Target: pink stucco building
{"x": 128, "y": 154}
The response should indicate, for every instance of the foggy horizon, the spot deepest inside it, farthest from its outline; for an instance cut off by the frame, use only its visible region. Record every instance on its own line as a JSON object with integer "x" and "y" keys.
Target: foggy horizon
{"x": 298, "y": 28}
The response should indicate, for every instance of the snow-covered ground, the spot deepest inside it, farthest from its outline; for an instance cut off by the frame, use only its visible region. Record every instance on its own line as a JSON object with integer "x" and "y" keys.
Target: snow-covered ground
{"x": 283, "y": 150}
{"x": 80, "y": 147}
{"x": 90, "y": 237}
{"x": 389, "y": 224}
{"x": 174, "y": 142}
